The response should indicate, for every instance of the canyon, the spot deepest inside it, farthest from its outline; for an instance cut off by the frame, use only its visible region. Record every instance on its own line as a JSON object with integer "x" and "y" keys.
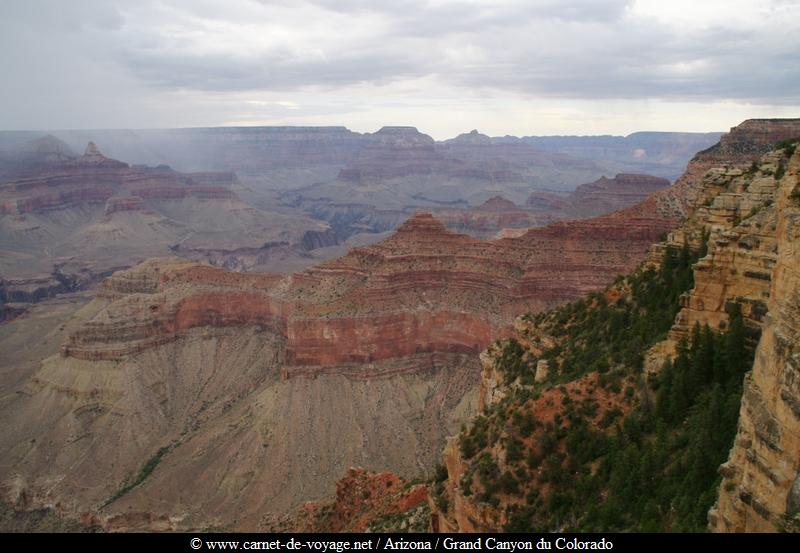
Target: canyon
{"x": 68, "y": 221}
{"x": 742, "y": 214}
{"x": 380, "y": 345}
{"x": 184, "y": 395}
{"x": 366, "y": 183}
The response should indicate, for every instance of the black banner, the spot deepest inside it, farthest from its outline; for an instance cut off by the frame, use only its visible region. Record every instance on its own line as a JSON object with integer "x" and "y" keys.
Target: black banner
{"x": 340, "y": 543}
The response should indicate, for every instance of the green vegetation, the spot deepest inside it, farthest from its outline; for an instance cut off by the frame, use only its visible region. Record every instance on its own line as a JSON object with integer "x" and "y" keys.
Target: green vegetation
{"x": 788, "y": 146}
{"x": 781, "y": 169}
{"x": 646, "y": 462}
{"x": 795, "y": 193}
{"x": 144, "y": 472}
{"x": 598, "y": 335}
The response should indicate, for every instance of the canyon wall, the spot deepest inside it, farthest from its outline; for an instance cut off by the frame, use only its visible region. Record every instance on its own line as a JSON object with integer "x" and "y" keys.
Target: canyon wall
{"x": 744, "y": 212}
{"x": 760, "y": 489}
{"x": 367, "y": 360}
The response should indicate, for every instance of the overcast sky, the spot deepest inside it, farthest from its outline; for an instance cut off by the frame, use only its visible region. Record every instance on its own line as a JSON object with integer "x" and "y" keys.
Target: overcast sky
{"x": 504, "y": 67}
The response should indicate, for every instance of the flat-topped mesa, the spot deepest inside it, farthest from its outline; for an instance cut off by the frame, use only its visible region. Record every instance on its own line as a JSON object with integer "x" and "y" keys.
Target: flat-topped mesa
{"x": 402, "y": 137}
{"x": 394, "y": 152}
{"x": 753, "y": 138}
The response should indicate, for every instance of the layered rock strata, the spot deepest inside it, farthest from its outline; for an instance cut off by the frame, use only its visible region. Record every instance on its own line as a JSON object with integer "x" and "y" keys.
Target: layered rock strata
{"x": 423, "y": 293}
{"x": 94, "y": 178}
{"x": 366, "y": 501}
{"x": 376, "y": 351}
{"x": 760, "y": 490}
{"x": 747, "y": 215}
{"x": 608, "y": 195}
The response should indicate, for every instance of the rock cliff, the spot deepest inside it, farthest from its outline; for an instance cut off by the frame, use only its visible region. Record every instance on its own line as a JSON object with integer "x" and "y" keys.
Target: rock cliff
{"x": 742, "y": 218}
{"x": 365, "y": 501}
{"x": 380, "y": 344}
{"x": 759, "y": 490}
{"x": 258, "y": 391}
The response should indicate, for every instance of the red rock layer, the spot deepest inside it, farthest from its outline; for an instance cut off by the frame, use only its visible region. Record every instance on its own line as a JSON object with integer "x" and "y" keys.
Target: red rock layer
{"x": 95, "y": 179}
{"x": 418, "y": 299}
{"x": 494, "y": 215}
{"x": 362, "y": 498}
{"x": 608, "y": 195}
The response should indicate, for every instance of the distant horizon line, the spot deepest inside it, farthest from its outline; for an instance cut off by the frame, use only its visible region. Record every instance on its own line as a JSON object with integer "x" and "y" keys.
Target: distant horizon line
{"x": 345, "y": 128}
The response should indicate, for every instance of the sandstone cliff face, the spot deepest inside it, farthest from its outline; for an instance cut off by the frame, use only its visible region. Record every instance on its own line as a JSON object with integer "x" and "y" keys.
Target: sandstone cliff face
{"x": 744, "y": 144}
{"x": 759, "y": 490}
{"x": 748, "y": 216}
{"x": 737, "y": 212}
{"x": 425, "y": 294}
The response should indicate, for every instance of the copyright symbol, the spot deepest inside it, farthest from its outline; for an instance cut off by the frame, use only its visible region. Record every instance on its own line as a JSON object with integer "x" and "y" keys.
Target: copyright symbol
{"x": 196, "y": 543}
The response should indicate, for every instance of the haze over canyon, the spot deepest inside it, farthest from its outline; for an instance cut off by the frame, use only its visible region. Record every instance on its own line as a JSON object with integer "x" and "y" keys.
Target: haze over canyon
{"x": 207, "y": 328}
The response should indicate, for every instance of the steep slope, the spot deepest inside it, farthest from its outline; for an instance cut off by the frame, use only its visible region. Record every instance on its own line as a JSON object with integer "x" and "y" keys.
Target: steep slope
{"x": 366, "y": 501}
{"x": 633, "y": 426}
{"x": 760, "y": 490}
{"x": 186, "y": 396}
{"x": 211, "y": 361}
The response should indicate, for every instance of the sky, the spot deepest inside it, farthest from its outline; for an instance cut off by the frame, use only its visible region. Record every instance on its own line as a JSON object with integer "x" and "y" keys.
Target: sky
{"x": 519, "y": 67}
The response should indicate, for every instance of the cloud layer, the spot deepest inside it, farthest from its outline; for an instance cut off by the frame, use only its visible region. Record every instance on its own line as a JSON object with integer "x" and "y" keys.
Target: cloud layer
{"x": 93, "y": 63}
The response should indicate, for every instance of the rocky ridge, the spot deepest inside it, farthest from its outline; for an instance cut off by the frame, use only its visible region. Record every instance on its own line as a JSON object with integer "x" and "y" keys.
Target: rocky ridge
{"x": 746, "y": 216}
{"x": 76, "y": 219}
{"x": 759, "y": 490}
{"x": 384, "y": 338}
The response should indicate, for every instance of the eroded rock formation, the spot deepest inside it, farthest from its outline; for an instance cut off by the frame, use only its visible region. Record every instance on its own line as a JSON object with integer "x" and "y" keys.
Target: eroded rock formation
{"x": 748, "y": 214}
{"x": 366, "y": 501}
{"x": 759, "y": 489}
{"x": 608, "y": 195}
{"x": 381, "y": 343}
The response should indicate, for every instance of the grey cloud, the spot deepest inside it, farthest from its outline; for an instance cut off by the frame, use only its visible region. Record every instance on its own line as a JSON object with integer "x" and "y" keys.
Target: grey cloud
{"x": 590, "y": 53}
{"x": 109, "y": 52}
